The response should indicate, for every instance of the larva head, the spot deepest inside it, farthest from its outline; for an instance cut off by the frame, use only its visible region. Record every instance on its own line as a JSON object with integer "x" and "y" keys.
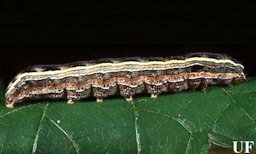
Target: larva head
{"x": 11, "y": 90}
{"x": 19, "y": 83}
{"x": 9, "y": 103}
{"x": 9, "y": 96}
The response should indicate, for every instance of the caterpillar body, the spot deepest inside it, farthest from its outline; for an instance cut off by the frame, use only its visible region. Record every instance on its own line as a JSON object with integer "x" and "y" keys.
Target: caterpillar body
{"x": 124, "y": 76}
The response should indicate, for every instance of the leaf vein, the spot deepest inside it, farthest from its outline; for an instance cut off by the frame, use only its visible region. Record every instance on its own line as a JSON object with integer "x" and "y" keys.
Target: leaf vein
{"x": 75, "y": 145}
{"x": 233, "y": 138}
{"x": 15, "y": 110}
{"x": 34, "y": 147}
{"x": 235, "y": 102}
{"x": 220, "y": 115}
{"x": 185, "y": 107}
{"x": 136, "y": 117}
{"x": 188, "y": 144}
{"x": 169, "y": 117}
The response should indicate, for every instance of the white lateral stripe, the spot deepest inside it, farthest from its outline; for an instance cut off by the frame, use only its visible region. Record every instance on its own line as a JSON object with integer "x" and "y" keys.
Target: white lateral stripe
{"x": 136, "y": 63}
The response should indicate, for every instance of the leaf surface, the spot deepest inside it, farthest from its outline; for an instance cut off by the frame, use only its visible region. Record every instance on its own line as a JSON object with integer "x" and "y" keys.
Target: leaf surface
{"x": 188, "y": 122}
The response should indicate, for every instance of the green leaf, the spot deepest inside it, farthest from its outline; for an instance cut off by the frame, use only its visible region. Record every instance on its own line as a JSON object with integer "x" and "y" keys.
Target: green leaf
{"x": 187, "y": 122}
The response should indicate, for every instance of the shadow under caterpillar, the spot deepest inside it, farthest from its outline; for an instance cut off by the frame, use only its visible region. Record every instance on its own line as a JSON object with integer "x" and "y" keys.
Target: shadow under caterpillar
{"x": 126, "y": 76}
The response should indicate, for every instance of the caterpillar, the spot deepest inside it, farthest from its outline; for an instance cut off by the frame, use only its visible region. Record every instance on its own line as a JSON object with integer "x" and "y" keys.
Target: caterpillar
{"x": 125, "y": 76}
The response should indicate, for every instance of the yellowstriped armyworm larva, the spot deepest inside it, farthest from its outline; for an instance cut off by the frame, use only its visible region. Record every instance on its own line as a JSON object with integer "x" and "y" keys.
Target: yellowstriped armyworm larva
{"x": 124, "y": 76}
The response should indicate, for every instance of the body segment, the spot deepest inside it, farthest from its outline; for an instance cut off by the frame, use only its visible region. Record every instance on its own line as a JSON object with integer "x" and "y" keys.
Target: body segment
{"x": 126, "y": 77}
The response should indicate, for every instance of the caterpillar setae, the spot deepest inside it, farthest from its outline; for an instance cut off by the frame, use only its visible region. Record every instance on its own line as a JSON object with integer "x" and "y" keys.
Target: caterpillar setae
{"x": 125, "y": 76}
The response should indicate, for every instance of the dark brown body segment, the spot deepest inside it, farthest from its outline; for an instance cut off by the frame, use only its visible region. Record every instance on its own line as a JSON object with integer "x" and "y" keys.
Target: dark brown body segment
{"x": 197, "y": 73}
